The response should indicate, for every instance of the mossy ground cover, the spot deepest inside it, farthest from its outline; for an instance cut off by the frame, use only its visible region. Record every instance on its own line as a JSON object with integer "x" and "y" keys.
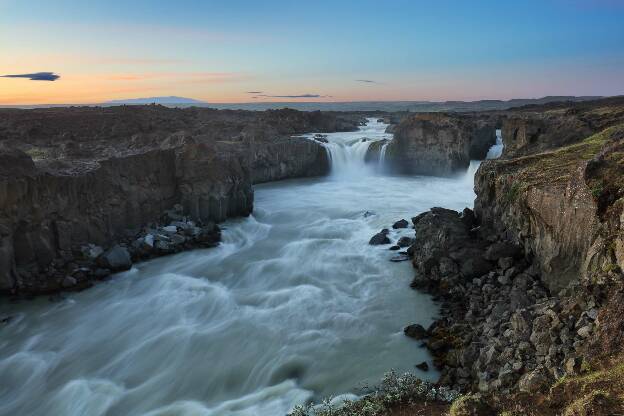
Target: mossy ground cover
{"x": 554, "y": 169}
{"x": 397, "y": 395}
{"x": 597, "y": 392}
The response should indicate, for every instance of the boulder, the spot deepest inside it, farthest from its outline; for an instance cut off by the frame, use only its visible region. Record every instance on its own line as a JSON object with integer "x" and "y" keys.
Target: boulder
{"x": 91, "y": 251}
{"x": 68, "y": 282}
{"x": 399, "y": 258}
{"x": 400, "y": 224}
{"x": 404, "y": 242}
{"x": 423, "y": 366}
{"x": 415, "y": 331}
{"x": 534, "y": 381}
{"x": 502, "y": 249}
{"x": 117, "y": 258}
{"x": 379, "y": 239}
{"x": 475, "y": 267}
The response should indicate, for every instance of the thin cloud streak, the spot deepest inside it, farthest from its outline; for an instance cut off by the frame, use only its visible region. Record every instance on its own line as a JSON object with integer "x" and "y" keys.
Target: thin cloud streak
{"x": 185, "y": 77}
{"x": 36, "y": 76}
{"x": 293, "y": 96}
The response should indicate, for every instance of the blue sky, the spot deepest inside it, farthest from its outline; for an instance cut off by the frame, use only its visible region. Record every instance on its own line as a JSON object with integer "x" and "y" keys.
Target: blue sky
{"x": 218, "y": 51}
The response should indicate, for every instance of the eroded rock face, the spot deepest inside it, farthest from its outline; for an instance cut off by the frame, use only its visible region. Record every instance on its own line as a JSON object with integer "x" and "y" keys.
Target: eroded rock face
{"x": 288, "y": 158}
{"x": 439, "y": 144}
{"x": 550, "y": 202}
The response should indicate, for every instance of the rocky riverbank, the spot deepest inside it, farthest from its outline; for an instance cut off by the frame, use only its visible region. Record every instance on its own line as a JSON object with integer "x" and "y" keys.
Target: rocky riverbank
{"x": 531, "y": 283}
{"x": 73, "y": 178}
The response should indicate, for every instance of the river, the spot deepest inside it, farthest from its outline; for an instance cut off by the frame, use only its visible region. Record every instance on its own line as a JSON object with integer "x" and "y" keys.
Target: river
{"x": 294, "y": 305}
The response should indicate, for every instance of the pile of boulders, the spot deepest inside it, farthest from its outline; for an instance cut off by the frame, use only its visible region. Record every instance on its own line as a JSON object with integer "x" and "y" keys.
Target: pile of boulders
{"x": 383, "y": 238}
{"x": 501, "y": 329}
{"x": 174, "y": 233}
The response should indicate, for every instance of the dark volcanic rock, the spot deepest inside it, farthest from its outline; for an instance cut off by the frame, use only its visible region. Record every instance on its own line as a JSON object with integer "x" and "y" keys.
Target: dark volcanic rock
{"x": 70, "y": 177}
{"x": 475, "y": 267}
{"x": 405, "y": 242}
{"x": 399, "y": 258}
{"x": 502, "y": 249}
{"x": 116, "y": 258}
{"x": 400, "y": 224}
{"x": 439, "y": 144}
{"x": 415, "y": 331}
{"x": 380, "y": 238}
{"x": 423, "y": 366}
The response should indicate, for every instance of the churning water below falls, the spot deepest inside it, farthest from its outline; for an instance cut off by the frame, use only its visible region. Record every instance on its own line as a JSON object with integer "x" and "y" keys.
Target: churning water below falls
{"x": 293, "y": 306}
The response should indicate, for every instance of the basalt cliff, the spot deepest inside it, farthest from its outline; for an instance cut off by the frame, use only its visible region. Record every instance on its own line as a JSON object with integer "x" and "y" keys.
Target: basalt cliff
{"x": 531, "y": 281}
{"x": 83, "y": 191}
{"x": 439, "y": 144}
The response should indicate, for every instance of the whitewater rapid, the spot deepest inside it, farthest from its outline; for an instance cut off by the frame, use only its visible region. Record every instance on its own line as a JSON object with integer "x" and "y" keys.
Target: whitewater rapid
{"x": 293, "y": 306}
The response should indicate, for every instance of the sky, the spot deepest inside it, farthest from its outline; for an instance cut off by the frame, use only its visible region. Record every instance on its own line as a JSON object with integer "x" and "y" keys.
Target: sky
{"x": 69, "y": 51}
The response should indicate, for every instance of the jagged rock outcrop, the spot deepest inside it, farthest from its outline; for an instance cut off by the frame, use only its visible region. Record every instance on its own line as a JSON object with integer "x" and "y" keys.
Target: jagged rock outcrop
{"x": 555, "y": 204}
{"x": 501, "y": 329}
{"x": 439, "y": 144}
{"x": 288, "y": 158}
{"x": 74, "y": 177}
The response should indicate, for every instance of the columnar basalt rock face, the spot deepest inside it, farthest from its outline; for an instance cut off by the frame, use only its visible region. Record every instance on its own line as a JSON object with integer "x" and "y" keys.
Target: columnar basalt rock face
{"x": 79, "y": 176}
{"x": 550, "y": 202}
{"x": 439, "y": 144}
{"x": 47, "y": 216}
{"x": 288, "y": 158}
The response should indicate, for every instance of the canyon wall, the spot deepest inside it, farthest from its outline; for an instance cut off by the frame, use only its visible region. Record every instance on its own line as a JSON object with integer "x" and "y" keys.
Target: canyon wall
{"x": 288, "y": 158}
{"x": 70, "y": 177}
{"x": 439, "y": 144}
{"x": 560, "y": 204}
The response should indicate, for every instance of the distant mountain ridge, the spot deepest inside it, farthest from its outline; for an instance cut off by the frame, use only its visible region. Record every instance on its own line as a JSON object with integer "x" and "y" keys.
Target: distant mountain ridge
{"x": 155, "y": 100}
{"x": 386, "y": 106}
{"x": 390, "y": 106}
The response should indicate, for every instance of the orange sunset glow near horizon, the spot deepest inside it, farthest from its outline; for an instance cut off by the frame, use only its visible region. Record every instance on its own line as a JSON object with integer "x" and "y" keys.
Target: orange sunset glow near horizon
{"x": 322, "y": 52}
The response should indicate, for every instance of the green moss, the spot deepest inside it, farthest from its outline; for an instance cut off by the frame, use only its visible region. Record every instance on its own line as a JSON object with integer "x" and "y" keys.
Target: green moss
{"x": 592, "y": 403}
{"x": 513, "y": 192}
{"x": 597, "y": 190}
{"x": 611, "y": 268}
{"x": 470, "y": 405}
{"x": 36, "y": 153}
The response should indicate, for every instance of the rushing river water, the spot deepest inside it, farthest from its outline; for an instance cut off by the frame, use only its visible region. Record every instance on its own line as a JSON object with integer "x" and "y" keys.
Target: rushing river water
{"x": 293, "y": 305}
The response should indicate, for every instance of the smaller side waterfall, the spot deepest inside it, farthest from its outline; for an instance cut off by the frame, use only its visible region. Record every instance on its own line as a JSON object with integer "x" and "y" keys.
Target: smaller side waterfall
{"x": 382, "y": 154}
{"x": 497, "y": 150}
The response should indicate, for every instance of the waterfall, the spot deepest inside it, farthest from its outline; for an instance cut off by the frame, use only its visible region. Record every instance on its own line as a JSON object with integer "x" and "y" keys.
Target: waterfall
{"x": 347, "y": 151}
{"x": 493, "y": 153}
{"x": 497, "y": 150}
{"x": 382, "y": 154}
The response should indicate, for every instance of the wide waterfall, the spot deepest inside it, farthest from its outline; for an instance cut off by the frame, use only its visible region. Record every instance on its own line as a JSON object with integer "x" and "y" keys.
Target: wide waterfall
{"x": 347, "y": 151}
